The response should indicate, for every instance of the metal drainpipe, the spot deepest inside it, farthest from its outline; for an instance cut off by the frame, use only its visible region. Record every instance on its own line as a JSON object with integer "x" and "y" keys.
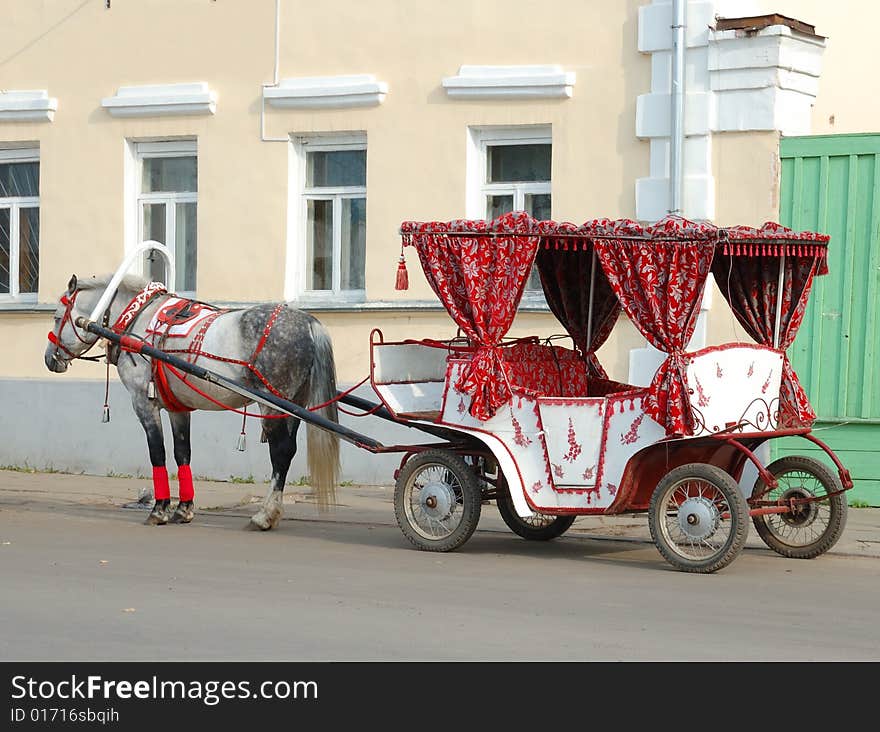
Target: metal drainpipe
{"x": 274, "y": 79}
{"x": 676, "y": 140}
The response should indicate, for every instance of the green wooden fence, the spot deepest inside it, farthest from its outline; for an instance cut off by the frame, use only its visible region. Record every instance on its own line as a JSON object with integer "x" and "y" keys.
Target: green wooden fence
{"x": 831, "y": 183}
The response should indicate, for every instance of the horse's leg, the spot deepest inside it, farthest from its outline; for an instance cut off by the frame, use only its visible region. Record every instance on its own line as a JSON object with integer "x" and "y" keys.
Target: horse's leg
{"x": 180, "y": 422}
{"x": 150, "y": 418}
{"x": 281, "y": 434}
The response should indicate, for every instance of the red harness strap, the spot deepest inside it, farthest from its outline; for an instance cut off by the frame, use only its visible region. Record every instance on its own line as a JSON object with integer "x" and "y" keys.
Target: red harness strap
{"x": 193, "y": 352}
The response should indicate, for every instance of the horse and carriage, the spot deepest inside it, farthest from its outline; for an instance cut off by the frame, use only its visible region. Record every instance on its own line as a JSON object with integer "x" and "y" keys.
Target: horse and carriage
{"x": 535, "y": 426}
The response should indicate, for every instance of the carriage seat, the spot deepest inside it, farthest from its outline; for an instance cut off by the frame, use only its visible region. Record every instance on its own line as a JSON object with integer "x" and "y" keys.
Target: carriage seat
{"x": 553, "y": 371}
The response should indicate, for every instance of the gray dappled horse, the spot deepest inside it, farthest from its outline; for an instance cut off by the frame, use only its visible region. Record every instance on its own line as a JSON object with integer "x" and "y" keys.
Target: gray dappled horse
{"x": 288, "y": 347}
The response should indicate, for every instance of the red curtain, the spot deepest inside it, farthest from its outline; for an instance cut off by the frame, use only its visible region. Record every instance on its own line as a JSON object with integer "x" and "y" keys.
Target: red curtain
{"x": 565, "y": 267}
{"x": 660, "y": 286}
{"x": 750, "y": 286}
{"x": 480, "y": 279}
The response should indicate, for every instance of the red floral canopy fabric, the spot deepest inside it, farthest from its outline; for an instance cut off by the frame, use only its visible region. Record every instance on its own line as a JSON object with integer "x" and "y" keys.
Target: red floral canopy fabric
{"x": 655, "y": 273}
{"x": 748, "y": 277}
{"x": 479, "y": 276}
{"x": 659, "y": 281}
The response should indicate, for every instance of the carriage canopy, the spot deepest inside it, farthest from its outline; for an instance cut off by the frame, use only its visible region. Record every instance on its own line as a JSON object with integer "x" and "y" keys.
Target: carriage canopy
{"x": 655, "y": 273}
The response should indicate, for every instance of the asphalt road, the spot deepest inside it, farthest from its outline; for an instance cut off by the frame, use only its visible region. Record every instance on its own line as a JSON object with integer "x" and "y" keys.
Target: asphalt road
{"x": 91, "y": 583}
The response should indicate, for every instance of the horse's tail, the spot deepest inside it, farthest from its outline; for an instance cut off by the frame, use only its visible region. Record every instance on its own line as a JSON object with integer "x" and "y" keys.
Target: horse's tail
{"x": 323, "y": 446}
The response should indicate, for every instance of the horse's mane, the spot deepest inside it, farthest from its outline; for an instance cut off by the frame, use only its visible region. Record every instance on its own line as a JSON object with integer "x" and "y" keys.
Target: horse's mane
{"x": 129, "y": 282}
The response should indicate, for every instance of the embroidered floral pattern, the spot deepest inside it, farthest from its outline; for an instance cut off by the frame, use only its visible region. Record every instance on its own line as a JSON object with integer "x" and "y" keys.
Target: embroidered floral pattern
{"x": 519, "y": 437}
{"x": 751, "y": 370}
{"x": 537, "y": 486}
{"x": 702, "y": 399}
{"x": 633, "y": 434}
{"x": 574, "y": 449}
{"x": 612, "y": 489}
{"x": 588, "y": 473}
{"x": 767, "y": 383}
{"x": 558, "y": 472}
{"x": 718, "y": 372}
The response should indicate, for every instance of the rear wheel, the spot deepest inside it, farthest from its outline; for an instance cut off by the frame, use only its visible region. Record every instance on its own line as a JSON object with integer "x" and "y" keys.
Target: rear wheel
{"x": 698, "y": 518}
{"x": 537, "y": 527}
{"x": 810, "y": 529}
{"x": 437, "y": 501}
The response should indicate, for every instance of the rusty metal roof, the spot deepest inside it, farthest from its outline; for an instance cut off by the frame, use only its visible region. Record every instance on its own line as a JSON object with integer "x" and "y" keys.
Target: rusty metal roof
{"x": 758, "y": 22}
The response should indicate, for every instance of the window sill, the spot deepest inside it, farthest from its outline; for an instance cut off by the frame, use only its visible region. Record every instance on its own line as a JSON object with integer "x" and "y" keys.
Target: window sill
{"x": 20, "y": 305}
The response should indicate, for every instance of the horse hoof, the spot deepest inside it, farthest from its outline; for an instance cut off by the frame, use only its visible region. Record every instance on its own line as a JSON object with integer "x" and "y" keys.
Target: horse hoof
{"x": 183, "y": 514}
{"x": 256, "y": 524}
{"x": 159, "y": 515}
{"x": 157, "y": 518}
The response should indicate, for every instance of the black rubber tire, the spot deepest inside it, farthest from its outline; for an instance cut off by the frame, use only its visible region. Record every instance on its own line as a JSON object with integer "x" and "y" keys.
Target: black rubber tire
{"x": 469, "y": 502}
{"x": 837, "y": 505}
{"x": 518, "y": 526}
{"x": 739, "y": 517}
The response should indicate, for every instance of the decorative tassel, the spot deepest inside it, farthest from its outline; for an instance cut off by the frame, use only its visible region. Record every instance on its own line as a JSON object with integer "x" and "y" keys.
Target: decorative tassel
{"x": 402, "y": 281}
{"x": 242, "y": 442}
{"x": 105, "y": 415}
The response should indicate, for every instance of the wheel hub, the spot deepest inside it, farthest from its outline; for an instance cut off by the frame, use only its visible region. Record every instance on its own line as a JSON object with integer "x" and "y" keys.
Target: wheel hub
{"x": 437, "y": 499}
{"x": 698, "y": 518}
{"x": 803, "y": 514}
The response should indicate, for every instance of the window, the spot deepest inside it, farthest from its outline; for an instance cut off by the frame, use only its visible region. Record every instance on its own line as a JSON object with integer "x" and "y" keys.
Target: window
{"x": 333, "y": 217}
{"x": 514, "y": 174}
{"x": 19, "y": 224}
{"x": 167, "y": 174}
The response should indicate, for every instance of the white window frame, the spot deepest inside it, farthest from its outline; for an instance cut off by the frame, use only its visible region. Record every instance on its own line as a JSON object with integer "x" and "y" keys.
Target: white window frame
{"x": 478, "y": 190}
{"x": 15, "y": 204}
{"x": 138, "y": 152}
{"x": 299, "y": 195}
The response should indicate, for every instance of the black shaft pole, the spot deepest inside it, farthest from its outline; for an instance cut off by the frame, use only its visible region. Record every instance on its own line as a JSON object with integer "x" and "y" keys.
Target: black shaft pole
{"x": 264, "y": 397}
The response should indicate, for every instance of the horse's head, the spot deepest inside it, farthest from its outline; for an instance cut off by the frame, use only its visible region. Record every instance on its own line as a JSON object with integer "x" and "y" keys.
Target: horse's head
{"x": 66, "y": 340}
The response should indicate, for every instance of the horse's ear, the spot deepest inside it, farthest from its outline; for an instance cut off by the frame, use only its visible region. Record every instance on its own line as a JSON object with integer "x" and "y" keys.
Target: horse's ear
{"x": 71, "y": 286}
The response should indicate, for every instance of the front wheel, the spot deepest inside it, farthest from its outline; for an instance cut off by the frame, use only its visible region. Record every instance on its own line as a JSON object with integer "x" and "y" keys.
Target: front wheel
{"x": 811, "y": 528}
{"x": 698, "y": 518}
{"x": 437, "y": 501}
{"x": 537, "y": 527}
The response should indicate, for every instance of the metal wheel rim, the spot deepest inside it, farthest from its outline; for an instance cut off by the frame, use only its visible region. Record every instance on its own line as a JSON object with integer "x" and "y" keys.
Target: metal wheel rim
{"x": 415, "y": 497}
{"x": 688, "y": 547}
{"x": 799, "y": 534}
{"x": 538, "y": 521}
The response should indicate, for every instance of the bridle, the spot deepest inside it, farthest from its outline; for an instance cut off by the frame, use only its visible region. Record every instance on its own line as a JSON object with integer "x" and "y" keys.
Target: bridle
{"x": 69, "y": 301}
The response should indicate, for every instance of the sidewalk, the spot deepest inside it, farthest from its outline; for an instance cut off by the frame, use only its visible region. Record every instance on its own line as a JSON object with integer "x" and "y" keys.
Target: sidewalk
{"x": 355, "y": 504}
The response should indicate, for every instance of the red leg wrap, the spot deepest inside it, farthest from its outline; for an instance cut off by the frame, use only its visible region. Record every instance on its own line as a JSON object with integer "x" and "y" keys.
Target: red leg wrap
{"x": 185, "y": 482}
{"x": 161, "y": 489}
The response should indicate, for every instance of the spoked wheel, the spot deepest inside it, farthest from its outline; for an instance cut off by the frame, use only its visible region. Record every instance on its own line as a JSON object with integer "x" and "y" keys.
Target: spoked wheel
{"x": 812, "y": 528}
{"x": 437, "y": 501}
{"x": 537, "y": 527}
{"x": 698, "y": 518}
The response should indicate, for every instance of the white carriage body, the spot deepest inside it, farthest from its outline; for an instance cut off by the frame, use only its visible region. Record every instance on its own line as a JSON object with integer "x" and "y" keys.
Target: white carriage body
{"x": 567, "y": 453}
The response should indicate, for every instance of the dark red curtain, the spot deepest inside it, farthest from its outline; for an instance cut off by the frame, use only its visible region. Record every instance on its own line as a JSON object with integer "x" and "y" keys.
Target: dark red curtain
{"x": 565, "y": 267}
{"x": 660, "y": 286}
{"x": 750, "y": 286}
{"x": 480, "y": 280}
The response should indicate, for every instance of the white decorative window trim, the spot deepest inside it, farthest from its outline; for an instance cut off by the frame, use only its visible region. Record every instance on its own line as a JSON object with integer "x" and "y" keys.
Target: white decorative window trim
{"x": 161, "y": 100}
{"x": 27, "y": 106}
{"x": 510, "y": 82}
{"x": 14, "y": 298}
{"x": 311, "y": 92}
{"x": 297, "y": 260}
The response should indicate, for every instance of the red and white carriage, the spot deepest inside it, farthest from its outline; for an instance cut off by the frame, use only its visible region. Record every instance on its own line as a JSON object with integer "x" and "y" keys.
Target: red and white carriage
{"x": 541, "y": 429}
